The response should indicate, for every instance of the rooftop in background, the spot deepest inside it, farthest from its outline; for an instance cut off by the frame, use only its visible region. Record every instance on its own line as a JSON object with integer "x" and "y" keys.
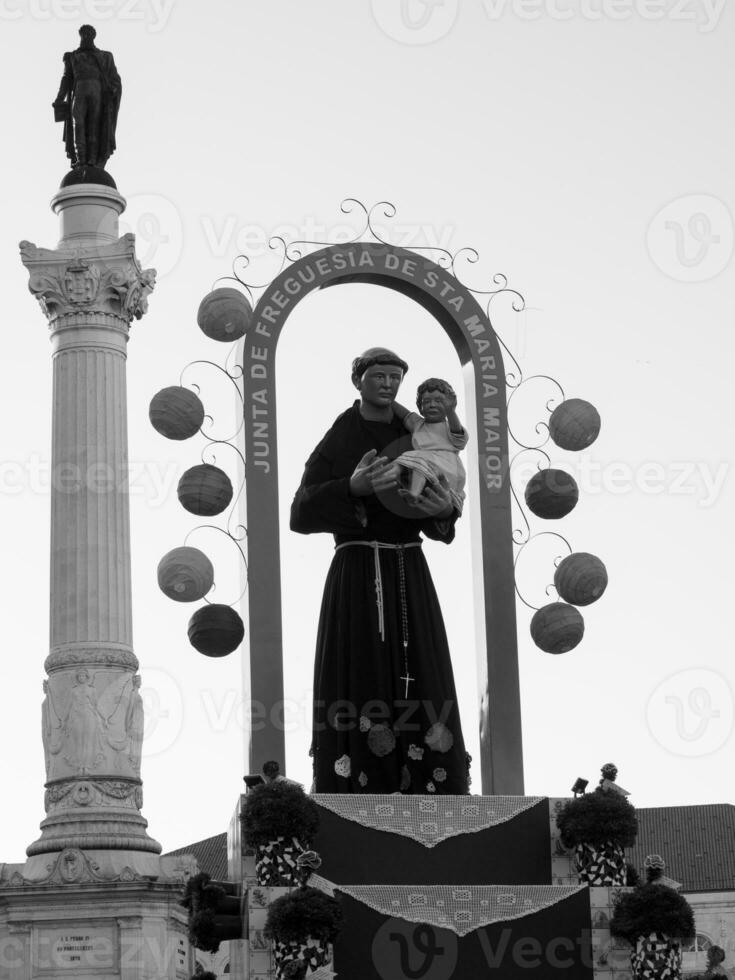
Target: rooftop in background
{"x": 211, "y": 855}
{"x": 696, "y": 842}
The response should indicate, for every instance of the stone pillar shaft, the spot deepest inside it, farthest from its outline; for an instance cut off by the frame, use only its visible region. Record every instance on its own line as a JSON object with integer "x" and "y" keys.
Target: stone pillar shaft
{"x": 90, "y": 524}
{"x": 90, "y": 288}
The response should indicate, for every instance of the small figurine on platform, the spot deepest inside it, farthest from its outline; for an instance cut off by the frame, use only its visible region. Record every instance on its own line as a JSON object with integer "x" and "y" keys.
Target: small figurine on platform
{"x": 437, "y": 436}
{"x": 607, "y": 784}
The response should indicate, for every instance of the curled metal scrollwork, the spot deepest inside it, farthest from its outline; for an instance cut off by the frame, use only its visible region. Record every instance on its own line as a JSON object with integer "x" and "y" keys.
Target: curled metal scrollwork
{"x": 238, "y": 544}
{"x": 491, "y": 292}
{"x": 530, "y": 541}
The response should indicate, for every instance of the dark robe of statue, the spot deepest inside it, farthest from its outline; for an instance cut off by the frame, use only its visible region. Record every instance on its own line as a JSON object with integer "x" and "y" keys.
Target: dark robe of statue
{"x": 373, "y": 731}
{"x": 88, "y": 102}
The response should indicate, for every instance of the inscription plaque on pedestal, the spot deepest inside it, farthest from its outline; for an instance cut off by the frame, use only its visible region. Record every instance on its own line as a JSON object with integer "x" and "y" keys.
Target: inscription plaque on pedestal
{"x": 72, "y": 948}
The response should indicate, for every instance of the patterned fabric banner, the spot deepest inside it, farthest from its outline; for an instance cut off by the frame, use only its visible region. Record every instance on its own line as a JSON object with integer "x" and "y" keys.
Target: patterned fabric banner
{"x": 427, "y": 819}
{"x": 461, "y": 909}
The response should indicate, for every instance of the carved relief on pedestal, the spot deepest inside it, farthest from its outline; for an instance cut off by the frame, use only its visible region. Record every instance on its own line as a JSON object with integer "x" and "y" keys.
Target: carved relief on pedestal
{"x": 72, "y": 867}
{"x": 92, "y": 723}
{"x": 105, "y": 279}
{"x": 98, "y": 793}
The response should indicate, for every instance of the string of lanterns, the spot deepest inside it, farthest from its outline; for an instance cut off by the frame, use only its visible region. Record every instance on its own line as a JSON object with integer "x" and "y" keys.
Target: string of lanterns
{"x": 186, "y": 574}
{"x": 551, "y": 494}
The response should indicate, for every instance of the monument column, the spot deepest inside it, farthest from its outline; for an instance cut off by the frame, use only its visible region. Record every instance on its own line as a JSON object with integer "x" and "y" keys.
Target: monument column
{"x": 90, "y": 288}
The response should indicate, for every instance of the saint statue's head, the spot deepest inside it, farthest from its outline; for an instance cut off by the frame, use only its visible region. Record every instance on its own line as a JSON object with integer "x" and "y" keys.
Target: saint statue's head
{"x": 377, "y": 374}
{"x": 372, "y": 356}
{"x": 87, "y": 33}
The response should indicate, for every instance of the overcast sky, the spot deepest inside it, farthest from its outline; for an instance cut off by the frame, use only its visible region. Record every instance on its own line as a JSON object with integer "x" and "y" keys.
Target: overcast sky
{"x": 586, "y": 150}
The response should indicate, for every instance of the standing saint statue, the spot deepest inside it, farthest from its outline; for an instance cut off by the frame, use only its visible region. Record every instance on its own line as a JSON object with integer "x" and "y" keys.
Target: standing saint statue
{"x": 88, "y": 102}
{"x": 385, "y": 717}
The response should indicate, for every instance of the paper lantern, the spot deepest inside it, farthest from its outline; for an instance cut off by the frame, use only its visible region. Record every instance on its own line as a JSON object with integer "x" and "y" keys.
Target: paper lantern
{"x": 557, "y": 628}
{"x": 176, "y": 413}
{"x": 225, "y": 314}
{"x": 215, "y": 630}
{"x": 185, "y": 574}
{"x": 580, "y": 579}
{"x": 552, "y": 494}
{"x": 575, "y": 424}
{"x": 204, "y": 490}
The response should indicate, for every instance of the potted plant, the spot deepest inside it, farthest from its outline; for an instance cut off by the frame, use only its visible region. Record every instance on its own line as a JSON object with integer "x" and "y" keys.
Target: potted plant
{"x": 302, "y": 925}
{"x": 655, "y": 920}
{"x": 280, "y": 822}
{"x": 598, "y": 826}
{"x": 214, "y": 911}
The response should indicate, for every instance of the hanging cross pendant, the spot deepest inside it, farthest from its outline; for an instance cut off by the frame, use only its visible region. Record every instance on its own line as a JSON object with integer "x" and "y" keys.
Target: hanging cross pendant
{"x": 408, "y": 680}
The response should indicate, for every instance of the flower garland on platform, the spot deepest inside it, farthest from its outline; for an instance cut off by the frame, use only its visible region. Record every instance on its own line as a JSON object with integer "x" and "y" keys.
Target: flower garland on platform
{"x": 302, "y": 925}
{"x": 655, "y": 920}
{"x": 280, "y": 822}
{"x": 599, "y": 825}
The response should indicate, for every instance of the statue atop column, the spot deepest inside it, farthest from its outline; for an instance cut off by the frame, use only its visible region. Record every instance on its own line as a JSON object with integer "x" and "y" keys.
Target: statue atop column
{"x": 88, "y": 104}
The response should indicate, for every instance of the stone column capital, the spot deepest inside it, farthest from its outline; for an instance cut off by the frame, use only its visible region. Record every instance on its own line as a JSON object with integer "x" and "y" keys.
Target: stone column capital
{"x": 72, "y": 283}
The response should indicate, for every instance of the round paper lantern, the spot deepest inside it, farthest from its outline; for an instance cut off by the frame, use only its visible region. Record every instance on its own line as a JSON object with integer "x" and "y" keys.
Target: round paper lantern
{"x": 551, "y": 494}
{"x": 225, "y": 314}
{"x": 580, "y": 579}
{"x": 185, "y": 574}
{"x": 575, "y": 424}
{"x": 204, "y": 490}
{"x": 176, "y": 413}
{"x": 215, "y": 630}
{"x": 557, "y": 628}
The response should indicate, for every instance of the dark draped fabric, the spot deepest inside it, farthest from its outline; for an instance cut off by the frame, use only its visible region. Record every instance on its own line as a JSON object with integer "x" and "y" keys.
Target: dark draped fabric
{"x": 369, "y": 734}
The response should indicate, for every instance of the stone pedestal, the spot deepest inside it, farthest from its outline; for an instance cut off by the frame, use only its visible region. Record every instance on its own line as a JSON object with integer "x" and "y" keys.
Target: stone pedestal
{"x": 94, "y": 929}
{"x": 90, "y": 288}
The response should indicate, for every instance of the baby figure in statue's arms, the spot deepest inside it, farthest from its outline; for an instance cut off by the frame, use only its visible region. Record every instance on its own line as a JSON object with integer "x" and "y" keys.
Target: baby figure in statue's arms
{"x": 437, "y": 436}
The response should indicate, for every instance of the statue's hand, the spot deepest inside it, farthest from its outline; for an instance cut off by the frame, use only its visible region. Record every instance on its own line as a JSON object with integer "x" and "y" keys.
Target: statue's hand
{"x": 369, "y": 474}
{"x": 435, "y": 500}
{"x": 386, "y": 478}
{"x": 450, "y": 401}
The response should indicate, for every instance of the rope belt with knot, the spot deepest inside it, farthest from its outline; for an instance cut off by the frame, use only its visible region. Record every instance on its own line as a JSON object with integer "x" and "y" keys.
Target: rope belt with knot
{"x": 399, "y": 549}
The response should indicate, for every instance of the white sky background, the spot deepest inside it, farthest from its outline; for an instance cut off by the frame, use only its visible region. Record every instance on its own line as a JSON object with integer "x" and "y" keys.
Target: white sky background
{"x": 551, "y": 145}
